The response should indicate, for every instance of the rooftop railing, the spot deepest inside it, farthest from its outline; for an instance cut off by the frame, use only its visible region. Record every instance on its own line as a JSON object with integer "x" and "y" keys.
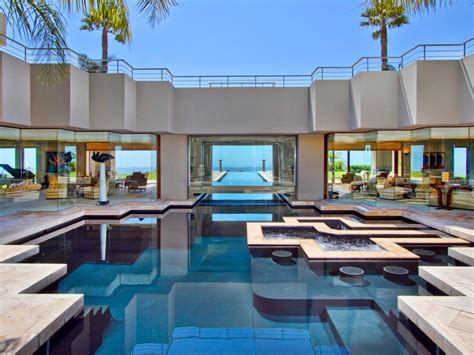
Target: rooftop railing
{"x": 119, "y": 66}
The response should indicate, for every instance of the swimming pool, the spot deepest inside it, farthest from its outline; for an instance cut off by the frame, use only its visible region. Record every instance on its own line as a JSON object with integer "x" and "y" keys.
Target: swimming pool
{"x": 242, "y": 178}
{"x": 187, "y": 283}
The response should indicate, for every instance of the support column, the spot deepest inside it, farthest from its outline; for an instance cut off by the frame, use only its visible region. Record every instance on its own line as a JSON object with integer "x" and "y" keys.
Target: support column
{"x": 174, "y": 167}
{"x": 310, "y": 162}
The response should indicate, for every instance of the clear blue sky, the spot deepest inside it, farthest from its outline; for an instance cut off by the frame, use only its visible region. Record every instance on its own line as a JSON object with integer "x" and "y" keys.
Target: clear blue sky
{"x": 242, "y": 156}
{"x": 269, "y": 36}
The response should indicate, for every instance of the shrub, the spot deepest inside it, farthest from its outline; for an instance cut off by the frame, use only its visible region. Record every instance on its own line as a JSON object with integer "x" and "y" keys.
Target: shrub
{"x": 357, "y": 168}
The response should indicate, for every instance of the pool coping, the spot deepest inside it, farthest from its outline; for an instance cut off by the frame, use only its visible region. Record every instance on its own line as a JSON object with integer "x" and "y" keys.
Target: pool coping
{"x": 392, "y": 246}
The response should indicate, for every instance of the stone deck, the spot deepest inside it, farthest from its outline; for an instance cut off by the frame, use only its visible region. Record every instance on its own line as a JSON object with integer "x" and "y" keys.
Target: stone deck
{"x": 390, "y": 240}
{"x": 28, "y": 278}
{"x": 452, "y": 280}
{"x": 457, "y": 223}
{"x": 28, "y": 320}
{"x": 20, "y": 225}
{"x": 17, "y": 253}
{"x": 447, "y": 321}
{"x": 462, "y": 254}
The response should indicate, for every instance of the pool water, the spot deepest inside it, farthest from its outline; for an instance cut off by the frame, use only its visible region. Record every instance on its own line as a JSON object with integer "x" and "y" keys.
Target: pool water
{"x": 242, "y": 178}
{"x": 187, "y": 284}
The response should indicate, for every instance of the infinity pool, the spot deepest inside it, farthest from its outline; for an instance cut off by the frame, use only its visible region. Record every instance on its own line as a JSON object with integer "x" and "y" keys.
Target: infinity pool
{"x": 242, "y": 178}
{"x": 187, "y": 284}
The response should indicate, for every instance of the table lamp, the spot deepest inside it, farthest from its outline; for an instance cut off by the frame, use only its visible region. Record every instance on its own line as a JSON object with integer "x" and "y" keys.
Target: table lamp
{"x": 445, "y": 176}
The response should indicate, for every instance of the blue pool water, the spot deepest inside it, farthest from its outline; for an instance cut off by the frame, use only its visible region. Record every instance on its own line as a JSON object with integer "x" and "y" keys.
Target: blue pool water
{"x": 242, "y": 178}
{"x": 187, "y": 284}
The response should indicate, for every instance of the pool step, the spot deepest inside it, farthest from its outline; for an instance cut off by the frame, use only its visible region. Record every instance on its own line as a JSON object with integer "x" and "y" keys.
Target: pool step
{"x": 363, "y": 331}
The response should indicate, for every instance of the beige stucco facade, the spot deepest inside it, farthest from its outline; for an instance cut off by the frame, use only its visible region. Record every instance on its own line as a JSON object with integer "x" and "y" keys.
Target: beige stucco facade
{"x": 425, "y": 93}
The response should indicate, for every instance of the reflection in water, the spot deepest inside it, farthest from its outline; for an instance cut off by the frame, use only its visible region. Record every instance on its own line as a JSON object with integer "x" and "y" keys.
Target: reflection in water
{"x": 188, "y": 281}
{"x": 103, "y": 241}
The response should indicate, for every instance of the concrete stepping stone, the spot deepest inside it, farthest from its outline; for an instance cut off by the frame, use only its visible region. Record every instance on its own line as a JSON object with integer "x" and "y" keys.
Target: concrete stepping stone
{"x": 28, "y": 321}
{"x": 462, "y": 254}
{"x": 17, "y": 253}
{"x": 28, "y": 278}
{"x": 448, "y": 321}
{"x": 452, "y": 280}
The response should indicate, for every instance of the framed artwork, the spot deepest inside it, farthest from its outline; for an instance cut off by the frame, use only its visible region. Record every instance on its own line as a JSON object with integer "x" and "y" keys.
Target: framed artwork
{"x": 57, "y": 163}
{"x": 434, "y": 160}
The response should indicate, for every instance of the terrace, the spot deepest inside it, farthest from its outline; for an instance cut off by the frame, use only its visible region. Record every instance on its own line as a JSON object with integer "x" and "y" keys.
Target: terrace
{"x": 327, "y": 212}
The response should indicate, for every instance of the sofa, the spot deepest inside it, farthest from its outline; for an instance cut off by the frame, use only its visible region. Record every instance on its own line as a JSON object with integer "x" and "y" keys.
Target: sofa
{"x": 136, "y": 182}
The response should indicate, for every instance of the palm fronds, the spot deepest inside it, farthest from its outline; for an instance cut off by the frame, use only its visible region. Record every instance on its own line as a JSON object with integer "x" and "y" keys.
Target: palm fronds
{"x": 155, "y": 10}
{"x": 42, "y": 25}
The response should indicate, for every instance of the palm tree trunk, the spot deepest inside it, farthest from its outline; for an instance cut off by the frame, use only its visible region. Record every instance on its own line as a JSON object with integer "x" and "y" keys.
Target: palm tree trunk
{"x": 383, "y": 44}
{"x": 105, "y": 50}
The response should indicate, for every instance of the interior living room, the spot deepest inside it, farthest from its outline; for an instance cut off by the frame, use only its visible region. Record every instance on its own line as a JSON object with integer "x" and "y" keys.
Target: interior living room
{"x": 381, "y": 167}
{"x": 53, "y": 169}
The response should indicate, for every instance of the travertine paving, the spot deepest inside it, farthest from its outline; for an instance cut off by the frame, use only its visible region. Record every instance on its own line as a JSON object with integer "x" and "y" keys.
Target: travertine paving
{"x": 28, "y": 278}
{"x": 351, "y": 224}
{"x": 448, "y": 321}
{"x": 389, "y": 240}
{"x": 452, "y": 280}
{"x": 457, "y": 223}
{"x": 462, "y": 254}
{"x": 28, "y": 321}
{"x": 17, "y": 253}
{"x": 20, "y": 225}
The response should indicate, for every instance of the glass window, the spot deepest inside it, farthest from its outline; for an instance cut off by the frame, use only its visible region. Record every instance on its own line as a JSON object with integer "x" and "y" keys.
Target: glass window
{"x": 242, "y": 164}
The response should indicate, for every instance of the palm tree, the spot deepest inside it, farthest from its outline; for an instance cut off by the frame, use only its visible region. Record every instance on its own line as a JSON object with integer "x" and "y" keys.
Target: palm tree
{"x": 108, "y": 17}
{"x": 41, "y": 23}
{"x": 384, "y": 14}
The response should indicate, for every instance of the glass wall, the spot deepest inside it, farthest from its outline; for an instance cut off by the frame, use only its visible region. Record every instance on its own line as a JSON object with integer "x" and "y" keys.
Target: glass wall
{"x": 424, "y": 168}
{"x": 52, "y": 169}
{"x": 242, "y": 164}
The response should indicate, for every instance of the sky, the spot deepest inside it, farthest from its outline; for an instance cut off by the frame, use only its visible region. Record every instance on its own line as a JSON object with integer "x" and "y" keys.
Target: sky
{"x": 242, "y": 156}
{"x": 268, "y": 36}
{"x": 205, "y": 37}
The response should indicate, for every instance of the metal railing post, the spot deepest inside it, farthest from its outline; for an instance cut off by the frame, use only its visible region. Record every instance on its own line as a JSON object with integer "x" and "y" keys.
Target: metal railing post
{"x": 464, "y": 50}
{"x": 352, "y": 71}
{"x": 199, "y": 81}
{"x": 283, "y": 81}
{"x": 424, "y": 52}
{"x": 322, "y": 73}
{"x": 367, "y": 60}
{"x": 117, "y": 67}
{"x": 161, "y": 74}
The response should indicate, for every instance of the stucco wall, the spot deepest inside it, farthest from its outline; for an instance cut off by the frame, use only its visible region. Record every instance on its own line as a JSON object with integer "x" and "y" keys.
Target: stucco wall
{"x": 241, "y": 111}
{"x": 49, "y": 100}
{"x": 79, "y": 99}
{"x": 310, "y": 167}
{"x": 112, "y": 102}
{"x": 375, "y": 100}
{"x": 174, "y": 167}
{"x": 155, "y": 106}
{"x": 422, "y": 94}
{"x": 14, "y": 91}
{"x": 437, "y": 93}
{"x": 466, "y": 90}
{"x": 330, "y": 100}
